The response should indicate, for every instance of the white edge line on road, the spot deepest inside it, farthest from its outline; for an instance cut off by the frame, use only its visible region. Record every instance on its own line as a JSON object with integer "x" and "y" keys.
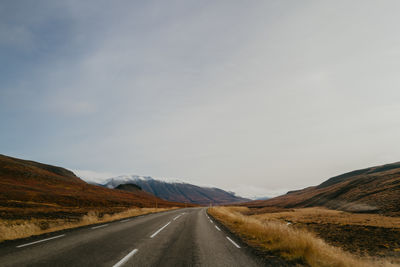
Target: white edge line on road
{"x": 211, "y": 221}
{"x": 217, "y": 228}
{"x": 126, "y": 220}
{"x": 177, "y": 217}
{"x": 39, "y": 241}
{"x": 159, "y": 230}
{"x": 99, "y": 226}
{"x": 233, "y": 242}
{"x": 126, "y": 258}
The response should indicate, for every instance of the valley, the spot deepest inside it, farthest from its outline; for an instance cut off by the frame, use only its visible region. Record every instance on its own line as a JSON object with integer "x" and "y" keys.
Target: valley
{"x": 348, "y": 220}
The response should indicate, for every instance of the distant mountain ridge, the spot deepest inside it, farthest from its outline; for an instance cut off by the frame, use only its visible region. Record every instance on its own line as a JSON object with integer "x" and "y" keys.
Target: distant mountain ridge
{"x": 375, "y": 189}
{"x": 176, "y": 190}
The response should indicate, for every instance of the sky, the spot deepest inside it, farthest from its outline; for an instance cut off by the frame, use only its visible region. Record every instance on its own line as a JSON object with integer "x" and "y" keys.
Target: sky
{"x": 255, "y": 97}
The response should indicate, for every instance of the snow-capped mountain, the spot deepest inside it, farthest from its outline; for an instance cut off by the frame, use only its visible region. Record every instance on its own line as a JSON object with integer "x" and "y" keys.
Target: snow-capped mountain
{"x": 124, "y": 179}
{"x": 176, "y": 190}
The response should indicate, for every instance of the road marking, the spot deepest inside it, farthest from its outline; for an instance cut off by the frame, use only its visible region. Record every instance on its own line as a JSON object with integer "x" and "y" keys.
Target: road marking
{"x": 28, "y": 244}
{"x": 233, "y": 242}
{"x": 99, "y": 226}
{"x": 126, "y": 220}
{"x": 211, "y": 221}
{"x": 159, "y": 230}
{"x": 177, "y": 217}
{"x": 217, "y": 228}
{"x": 126, "y": 258}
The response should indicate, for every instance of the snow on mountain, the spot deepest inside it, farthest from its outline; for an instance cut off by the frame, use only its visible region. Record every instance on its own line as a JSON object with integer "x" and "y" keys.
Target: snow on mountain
{"x": 126, "y": 179}
{"x": 176, "y": 190}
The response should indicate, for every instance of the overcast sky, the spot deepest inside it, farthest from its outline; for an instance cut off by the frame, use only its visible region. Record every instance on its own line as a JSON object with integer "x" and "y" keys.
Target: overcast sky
{"x": 258, "y": 97}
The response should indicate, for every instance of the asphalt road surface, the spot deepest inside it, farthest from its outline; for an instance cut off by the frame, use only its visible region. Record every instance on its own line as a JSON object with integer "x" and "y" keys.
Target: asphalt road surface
{"x": 184, "y": 237}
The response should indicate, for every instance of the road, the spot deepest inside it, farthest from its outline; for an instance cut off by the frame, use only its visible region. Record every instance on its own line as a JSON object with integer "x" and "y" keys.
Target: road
{"x": 184, "y": 237}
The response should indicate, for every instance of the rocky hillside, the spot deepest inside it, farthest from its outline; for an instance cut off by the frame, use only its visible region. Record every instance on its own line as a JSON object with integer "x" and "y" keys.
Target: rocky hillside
{"x": 375, "y": 189}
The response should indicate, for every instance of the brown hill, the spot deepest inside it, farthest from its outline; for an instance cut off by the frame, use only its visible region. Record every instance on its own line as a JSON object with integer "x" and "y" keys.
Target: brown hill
{"x": 372, "y": 190}
{"x": 32, "y": 189}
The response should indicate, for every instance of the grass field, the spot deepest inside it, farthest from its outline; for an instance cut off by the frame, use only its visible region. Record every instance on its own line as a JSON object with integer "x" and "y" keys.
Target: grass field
{"x": 362, "y": 234}
{"x": 14, "y": 229}
{"x": 279, "y": 234}
{"x": 325, "y": 216}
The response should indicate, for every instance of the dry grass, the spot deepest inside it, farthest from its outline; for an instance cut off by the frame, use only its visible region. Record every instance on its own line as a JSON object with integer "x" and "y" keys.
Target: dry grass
{"x": 371, "y": 235}
{"x": 288, "y": 242}
{"x": 14, "y": 229}
{"x": 323, "y": 216}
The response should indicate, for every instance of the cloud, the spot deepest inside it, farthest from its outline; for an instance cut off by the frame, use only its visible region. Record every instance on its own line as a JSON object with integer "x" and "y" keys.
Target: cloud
{"x": 69, "y": 107}
{"x": 93, "y": 176}
{"x": 16, "y": 36}
{"x": 274, "y": 94}
{"x": 254, "y": 192}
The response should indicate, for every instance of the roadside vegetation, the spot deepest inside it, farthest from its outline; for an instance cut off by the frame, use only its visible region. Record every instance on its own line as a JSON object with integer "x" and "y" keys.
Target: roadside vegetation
{"x": 363, "y": 234}
{"x": 14, "y": 229}
{"x": 324, "y": 216}
{"x": 281, "y": 238}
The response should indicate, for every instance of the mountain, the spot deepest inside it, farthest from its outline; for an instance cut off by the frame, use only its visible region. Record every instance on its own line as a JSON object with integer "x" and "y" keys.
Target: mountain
{"x": 176, "y": 190}
{"x": 129, "y": 187}
{"x": 372, "y": 190}
{"x": 262, "y": 198}
{"x": 29, "y": 188}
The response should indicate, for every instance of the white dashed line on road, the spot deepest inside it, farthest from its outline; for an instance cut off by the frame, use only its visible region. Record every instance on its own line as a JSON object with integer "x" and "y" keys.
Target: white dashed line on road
{"x": 39, "y": 241}
{"x": 233, "y": 242}
{"x": 217, "y": 228}
{"x": 177, "y": 217}
{"x": 126, "y": 258}
{"x": 126, "y": 220}
{"x": 100, "y": 226}
{"x": 159, "y": 230}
